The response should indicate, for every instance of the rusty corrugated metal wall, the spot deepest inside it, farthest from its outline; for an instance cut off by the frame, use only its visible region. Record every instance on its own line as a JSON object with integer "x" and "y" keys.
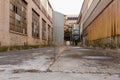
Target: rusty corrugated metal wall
{"x": 107, "y": 24}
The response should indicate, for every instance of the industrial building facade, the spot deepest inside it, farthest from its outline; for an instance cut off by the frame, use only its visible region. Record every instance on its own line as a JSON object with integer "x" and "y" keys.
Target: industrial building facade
{"x": 25, "y": 22}
{"x": 100, "y": 24}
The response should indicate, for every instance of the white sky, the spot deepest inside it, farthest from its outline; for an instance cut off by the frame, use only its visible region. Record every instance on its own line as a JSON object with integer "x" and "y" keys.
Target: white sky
{"x": 67, "y": 7}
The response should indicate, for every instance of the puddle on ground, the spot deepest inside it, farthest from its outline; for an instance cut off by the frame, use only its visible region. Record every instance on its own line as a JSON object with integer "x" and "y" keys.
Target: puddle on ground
{"x": 97, "y": 57}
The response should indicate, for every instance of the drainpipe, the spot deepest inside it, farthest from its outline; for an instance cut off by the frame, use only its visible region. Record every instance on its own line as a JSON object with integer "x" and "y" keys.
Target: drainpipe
{"x": 0, "y": 43}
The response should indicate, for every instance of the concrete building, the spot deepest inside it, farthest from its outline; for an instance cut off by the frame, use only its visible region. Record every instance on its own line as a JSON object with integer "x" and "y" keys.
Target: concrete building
{"x": 25, "y": 22}
{"x": 58, "y": 30}
{"x": 99, "y": 20}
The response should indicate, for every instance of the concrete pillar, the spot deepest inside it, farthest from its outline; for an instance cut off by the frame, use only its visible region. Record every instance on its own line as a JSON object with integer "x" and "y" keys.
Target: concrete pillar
{"x": 4, "y": 22}
{"x": 29, "y": 23}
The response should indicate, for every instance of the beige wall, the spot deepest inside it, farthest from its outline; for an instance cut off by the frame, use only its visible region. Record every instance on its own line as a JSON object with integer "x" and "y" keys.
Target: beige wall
{"x": 4, "y": 22}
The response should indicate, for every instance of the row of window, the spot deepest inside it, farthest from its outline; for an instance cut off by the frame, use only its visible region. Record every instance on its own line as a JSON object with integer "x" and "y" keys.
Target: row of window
{"x": 35, "y": 26}
{"x": 18, "y": 21}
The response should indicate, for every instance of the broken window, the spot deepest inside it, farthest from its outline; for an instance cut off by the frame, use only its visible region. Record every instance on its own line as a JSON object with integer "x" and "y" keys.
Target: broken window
{"x": 35, "y": 24}
{"x": 18, "y": 21}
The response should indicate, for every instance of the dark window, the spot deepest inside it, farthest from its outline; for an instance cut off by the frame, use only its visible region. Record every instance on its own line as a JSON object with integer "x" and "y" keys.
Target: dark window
{"x": 52, "y": 34}
{"x": 72, "y": 18}
{"x": 43, "y": 29}
{"x": 35, "y": 24}
{"x": 49, "y": 32}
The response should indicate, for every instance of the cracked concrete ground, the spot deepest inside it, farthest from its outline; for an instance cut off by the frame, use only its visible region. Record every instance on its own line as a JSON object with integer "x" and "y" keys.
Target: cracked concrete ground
{"x": 72, "y": 60}
{"x": 72, "y": 64}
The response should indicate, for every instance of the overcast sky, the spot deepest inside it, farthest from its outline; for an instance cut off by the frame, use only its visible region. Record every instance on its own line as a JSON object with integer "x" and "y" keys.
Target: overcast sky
{"x": 67, "y": 7}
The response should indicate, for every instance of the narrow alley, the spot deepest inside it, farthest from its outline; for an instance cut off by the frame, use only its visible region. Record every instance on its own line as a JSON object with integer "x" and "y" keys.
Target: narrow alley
{"x": 72, "y": 63}
{"x": 59, "y": 40}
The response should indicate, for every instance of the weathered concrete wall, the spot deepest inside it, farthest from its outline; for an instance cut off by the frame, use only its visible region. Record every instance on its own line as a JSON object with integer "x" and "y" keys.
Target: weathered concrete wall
{"x": 58, "y": 30}
{"x": 110, "y": 42}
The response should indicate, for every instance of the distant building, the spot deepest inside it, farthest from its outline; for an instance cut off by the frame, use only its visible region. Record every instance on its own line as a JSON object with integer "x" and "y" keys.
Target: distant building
{"x": 70, "y": 21}
{"x": 58, "y": 30}
{"x": 25, "y": 22}
{"x": 100, "y": 23}
{"x": 75, "y": 30}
